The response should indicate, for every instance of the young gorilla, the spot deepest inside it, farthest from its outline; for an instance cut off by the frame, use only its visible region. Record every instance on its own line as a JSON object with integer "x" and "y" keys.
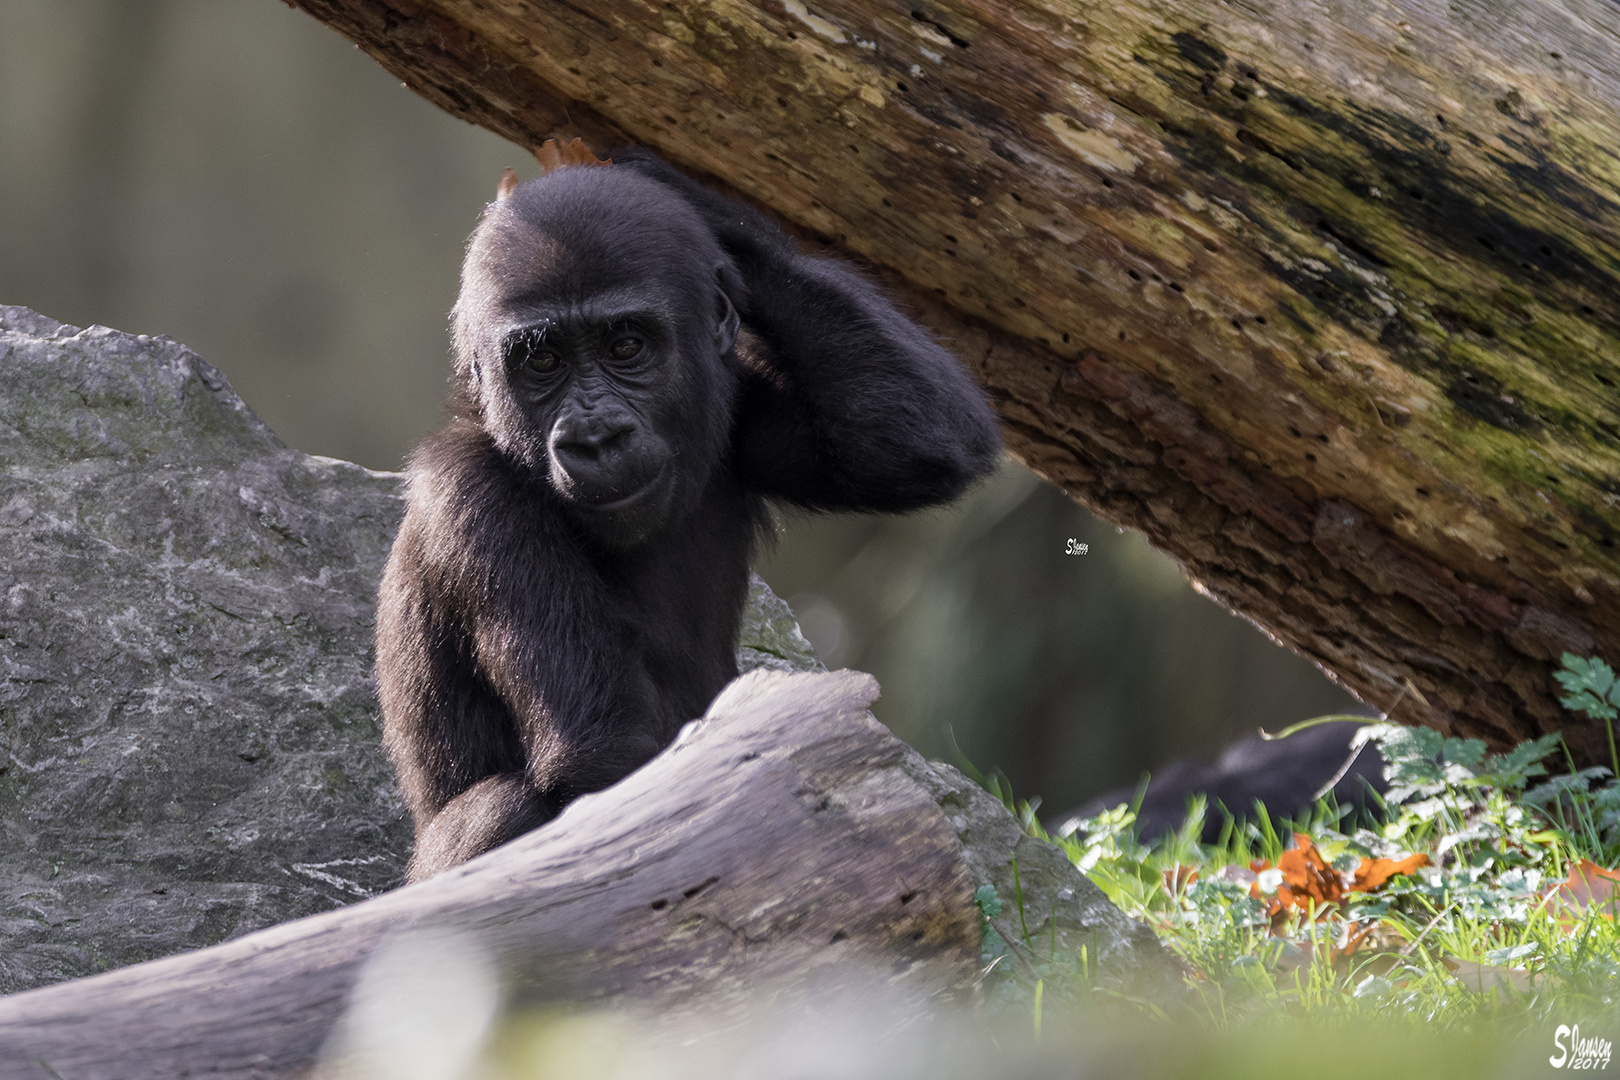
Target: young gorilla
{"x": 567, "y": 585}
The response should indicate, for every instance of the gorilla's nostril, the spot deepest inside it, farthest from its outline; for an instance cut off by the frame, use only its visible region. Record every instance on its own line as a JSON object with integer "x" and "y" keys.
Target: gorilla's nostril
{"x": 594, "y": 440}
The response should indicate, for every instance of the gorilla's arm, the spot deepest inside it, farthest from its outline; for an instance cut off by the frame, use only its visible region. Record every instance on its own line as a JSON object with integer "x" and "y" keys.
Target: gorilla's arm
{"x": 858, "y": 407}
{"x": 507, "y": 688}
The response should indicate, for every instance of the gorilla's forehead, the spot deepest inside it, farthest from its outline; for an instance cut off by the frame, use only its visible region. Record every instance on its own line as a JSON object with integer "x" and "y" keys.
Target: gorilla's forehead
{"x": 572, "y": 239}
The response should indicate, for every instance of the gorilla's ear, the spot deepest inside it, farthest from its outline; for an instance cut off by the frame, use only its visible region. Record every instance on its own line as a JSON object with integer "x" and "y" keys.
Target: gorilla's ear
{"x": 726, "y": 319}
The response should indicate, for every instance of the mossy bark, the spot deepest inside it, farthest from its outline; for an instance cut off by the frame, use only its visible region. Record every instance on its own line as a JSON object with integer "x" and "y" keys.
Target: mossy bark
{"x": 1324, "y": 297}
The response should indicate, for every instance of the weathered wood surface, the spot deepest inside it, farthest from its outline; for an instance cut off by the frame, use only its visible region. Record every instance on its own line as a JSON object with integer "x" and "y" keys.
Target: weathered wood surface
{"x": 784, "y": 841}
{"x": 1324, "y": 297}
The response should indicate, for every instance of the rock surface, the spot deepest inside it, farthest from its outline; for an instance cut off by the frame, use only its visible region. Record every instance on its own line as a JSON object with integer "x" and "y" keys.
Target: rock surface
{"x": 188, "y": 728}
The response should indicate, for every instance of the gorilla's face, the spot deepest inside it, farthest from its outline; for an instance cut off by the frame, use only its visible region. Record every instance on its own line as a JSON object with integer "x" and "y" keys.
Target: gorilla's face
{"x": 595, "y": 335}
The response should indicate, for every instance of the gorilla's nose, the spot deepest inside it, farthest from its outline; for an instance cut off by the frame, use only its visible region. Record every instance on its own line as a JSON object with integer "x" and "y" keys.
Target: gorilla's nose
{"x": 602, "y": 455}
{"x": 593, "y": 440}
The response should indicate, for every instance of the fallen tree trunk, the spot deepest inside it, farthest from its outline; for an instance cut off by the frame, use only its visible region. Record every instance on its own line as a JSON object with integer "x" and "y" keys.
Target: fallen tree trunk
{"x": 1324, "y": 301}
{"x": 785, "y": 840}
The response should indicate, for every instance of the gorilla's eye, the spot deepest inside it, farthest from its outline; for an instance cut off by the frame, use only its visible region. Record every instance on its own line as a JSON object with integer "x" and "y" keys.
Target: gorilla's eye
{"x": 542, "y": 358}
{"x": 626, "y": 347}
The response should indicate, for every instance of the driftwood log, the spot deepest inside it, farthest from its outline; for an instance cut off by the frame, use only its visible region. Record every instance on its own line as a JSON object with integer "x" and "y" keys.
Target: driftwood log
{"x": 1323, "y": 298}
{"x": 785, "y": 839}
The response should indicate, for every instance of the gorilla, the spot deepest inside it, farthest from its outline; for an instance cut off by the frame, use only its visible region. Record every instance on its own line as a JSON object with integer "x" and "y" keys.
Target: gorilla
{"x": 639, "y": 364}
{"x": 1283, "y": 775}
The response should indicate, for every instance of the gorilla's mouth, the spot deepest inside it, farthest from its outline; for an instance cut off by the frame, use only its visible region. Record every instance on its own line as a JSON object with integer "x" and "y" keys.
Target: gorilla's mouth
{"x": 625, "y": 502}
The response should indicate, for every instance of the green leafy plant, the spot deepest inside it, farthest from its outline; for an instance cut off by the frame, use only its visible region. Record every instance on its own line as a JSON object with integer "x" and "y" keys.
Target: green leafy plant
{"x": 1485, "y": 894}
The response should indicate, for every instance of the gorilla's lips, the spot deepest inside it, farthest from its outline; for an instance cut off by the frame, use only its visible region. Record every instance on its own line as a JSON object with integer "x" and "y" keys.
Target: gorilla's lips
{"x": 629, "y": 519}
{"x": 608, "y": 503}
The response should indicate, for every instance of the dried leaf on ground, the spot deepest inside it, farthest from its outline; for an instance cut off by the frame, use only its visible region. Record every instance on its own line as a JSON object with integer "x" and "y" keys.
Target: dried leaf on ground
{"x": 1308, "y": 879}
{"x": 1588, "y": 885}
{"x": 1374, "y": 873}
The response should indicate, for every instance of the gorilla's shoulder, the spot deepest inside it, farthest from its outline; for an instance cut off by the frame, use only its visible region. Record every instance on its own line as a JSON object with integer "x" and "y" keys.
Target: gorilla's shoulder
{"x": 458, "y": 476}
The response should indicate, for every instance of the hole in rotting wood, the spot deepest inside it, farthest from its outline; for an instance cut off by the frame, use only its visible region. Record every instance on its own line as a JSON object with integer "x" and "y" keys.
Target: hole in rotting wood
{"x": 1134, "y": 275}
{"x": 1122, "y": 335}
{"x": 908, "y": 897}
{"x": 960, "y": 43}
{"x": 1065, "y": 338}
{"x": 752, "y": 755}
{"x": 1107, "y": 183}
{"x": 1311, "y": 458}
{"x": 917, "y": 936}
{"x": 1176, "y": 285}
{"x": 694, "y": 890}
{"x": 659, "y": 905}
{"x": 1423, "y": 493}
{"x": 902, "y": 87}
{"x": 840, "y": 936}
{"x": 1261, "y": 319}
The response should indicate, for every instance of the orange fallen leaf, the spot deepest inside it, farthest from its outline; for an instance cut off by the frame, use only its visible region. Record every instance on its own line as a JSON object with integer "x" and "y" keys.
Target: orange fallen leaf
{"x": 1354, "y": 934}
{"x": 553, "y": 155}
{"x": 1588, "y": 885}
{"x": 1308, "y": 877}
{"x": 1178, "y": 879}
{"x": 1374, "y": 873}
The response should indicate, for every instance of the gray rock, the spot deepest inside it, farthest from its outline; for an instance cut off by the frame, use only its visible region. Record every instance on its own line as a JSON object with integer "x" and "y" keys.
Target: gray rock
{"x": 188, "y": 728}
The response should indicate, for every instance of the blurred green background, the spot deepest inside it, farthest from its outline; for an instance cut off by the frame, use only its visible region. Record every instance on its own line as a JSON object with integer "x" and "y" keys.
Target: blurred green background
{"x": 235, "y": 175}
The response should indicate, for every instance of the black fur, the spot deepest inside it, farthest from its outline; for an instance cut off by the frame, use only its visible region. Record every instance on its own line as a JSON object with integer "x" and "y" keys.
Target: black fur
{"x": 1282, "y": 775}
{"x": 566, "y": 588}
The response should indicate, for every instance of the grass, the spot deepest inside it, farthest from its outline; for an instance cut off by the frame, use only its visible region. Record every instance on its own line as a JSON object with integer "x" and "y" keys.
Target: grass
{"x": 1503, "y": 921}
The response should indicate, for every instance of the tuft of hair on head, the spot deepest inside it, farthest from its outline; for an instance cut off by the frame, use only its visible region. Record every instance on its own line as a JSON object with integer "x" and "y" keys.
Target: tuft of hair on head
{"x": 553, "y": 155}
{"x": 506, "y": 185}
